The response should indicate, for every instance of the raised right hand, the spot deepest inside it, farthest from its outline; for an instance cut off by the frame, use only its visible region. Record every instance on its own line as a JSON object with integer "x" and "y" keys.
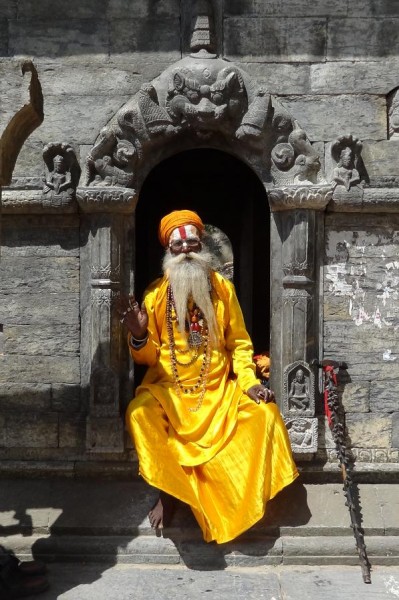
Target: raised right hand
{"x": 133, "y": 316}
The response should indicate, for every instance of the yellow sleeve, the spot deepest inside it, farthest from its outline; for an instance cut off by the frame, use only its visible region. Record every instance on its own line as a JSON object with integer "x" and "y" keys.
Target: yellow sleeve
{"x": 238, "y": 342}
{"x": 148, "y": 354}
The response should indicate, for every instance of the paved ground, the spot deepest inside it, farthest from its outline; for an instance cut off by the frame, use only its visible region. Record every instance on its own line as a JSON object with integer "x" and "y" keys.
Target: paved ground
{"x": 132, "y": 582}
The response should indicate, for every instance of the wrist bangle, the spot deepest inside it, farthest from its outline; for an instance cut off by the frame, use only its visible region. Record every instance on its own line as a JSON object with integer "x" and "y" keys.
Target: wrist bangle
{"x": 137, "y": 340}
{"x": 135, "y": 343}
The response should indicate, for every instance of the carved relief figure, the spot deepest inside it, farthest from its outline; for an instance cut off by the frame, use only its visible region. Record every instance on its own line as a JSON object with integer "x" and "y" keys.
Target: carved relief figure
{"x": 299, "y": 397}
{"x": 346, "y": 152}
{"x": 300, "y": 433}
{"x": 63, "y": 170}
{"x": 345, "y": 173}
{"x": 293, "y": 159}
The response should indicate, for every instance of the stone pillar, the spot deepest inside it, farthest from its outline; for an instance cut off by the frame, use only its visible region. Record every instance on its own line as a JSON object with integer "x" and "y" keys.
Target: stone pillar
{"x": 105, "y": 271}
{"x": 297, "y": 249}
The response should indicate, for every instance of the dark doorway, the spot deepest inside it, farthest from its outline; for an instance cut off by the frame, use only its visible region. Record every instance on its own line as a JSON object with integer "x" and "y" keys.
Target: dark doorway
{"x": 226, "y": 193}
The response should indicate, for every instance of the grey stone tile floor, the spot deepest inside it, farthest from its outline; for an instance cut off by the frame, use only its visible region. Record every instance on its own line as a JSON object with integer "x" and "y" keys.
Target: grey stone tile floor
{"x": 79, "y": 581}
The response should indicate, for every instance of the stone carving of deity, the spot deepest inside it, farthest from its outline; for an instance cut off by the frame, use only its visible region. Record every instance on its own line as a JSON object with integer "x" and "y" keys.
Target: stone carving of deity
{"x": 345, "y": 173}
{"x": 299, "y": 396}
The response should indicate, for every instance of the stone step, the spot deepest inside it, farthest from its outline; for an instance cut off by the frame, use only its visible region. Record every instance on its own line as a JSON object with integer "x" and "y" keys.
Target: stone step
{"x": 107, "y": 521}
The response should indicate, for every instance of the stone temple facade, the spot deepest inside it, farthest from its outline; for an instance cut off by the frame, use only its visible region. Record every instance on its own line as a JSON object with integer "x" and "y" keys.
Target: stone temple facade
{"x": 279, "y": 124}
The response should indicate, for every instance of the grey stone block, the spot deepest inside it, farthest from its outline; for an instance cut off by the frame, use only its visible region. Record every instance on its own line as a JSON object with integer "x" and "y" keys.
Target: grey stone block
{"x": 39, "y": 369}
{"x": 369, "y": 430}
{"x": 356, "y": 397}
{"x": 40, "y": 236}
{"x": 143, "y": 8}
{"x": 89, "y": 116}
{"x": 361, "y": 77}
{"x": 384, "y": 396}
{"x": 37, "y": 308}
{"x": 30, "y": 162}
{"x": 2, "y": 429}
{"x": 326, "y": 117}
{"x": 74, "y": 9}
{"x": 274, "y": 39}
{"x": 65, "y": 398}
{"x": 20, "y": 396}
{"x": 3, "y": 37}
{"x": 149, "y": 35}
{"x": 293, "y": 8}
{"x": 72, "y": 432}
{"x": 395, "y": 430}
{"x": 32, "y": 431}
{"x": 43, "y": 339}
{"x": 8, "y": 9}
{"x": 373, "y": 8}
{"x": 88, "y": 77}
{"x": 381, "y": 158}
{"x": 280, "y": 78}
{"x": 358, "y": 38}
{"x": 58, "y": 37}
{"x": 31, "y": 274}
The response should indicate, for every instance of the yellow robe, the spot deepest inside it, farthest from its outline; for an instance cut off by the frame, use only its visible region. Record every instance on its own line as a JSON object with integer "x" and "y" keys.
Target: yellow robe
{"x": 229, "y": 457}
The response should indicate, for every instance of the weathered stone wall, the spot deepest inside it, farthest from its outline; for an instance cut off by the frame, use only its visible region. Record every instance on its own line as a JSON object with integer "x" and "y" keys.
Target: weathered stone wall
{"x": 39, "y": 307}
{"x": 361, "y": 321}
{"x": 331, "y": 63}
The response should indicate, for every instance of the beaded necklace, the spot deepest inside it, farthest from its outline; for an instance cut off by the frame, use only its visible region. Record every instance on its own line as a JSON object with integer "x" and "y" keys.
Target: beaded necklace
{"x": 197, "y": 327}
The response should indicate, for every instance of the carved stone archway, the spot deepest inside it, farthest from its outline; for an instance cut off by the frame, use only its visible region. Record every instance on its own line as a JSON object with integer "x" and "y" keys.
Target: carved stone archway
{"x": 201, "y": 101}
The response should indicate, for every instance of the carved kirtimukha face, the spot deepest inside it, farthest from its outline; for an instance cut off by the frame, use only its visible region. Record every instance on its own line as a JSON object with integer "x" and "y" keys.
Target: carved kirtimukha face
{"x": 208, "y": 104}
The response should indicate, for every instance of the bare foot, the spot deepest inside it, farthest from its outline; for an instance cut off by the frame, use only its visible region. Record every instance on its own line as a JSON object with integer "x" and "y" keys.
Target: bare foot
{"x": 162, "y": 512}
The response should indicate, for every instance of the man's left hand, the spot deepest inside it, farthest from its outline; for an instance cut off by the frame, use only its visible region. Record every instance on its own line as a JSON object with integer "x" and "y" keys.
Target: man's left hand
{"x": 260, "y": 393}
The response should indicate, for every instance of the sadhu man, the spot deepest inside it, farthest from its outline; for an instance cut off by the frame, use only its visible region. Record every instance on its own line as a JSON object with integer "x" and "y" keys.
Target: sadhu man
{"x": 206, "y": 432}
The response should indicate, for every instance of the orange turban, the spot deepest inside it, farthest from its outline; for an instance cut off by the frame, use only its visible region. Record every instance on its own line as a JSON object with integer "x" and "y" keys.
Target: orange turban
{"x": 175, "y": 219}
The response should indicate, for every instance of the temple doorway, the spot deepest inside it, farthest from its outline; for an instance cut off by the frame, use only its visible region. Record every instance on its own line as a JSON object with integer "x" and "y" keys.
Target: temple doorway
{"x": 227, "y": 194}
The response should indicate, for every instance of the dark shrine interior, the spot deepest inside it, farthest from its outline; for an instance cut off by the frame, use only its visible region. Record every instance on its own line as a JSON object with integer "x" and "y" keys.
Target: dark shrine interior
{"x": 226, "y": 193}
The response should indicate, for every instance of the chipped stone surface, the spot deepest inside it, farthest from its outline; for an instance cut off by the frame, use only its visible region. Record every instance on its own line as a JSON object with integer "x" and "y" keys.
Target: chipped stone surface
{"x": 356, "y": 397}
{"x": 369, "y": 430}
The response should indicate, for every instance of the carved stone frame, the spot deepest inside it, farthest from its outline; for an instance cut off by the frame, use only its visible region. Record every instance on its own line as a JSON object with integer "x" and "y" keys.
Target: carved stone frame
{"x": 297, "y": 225}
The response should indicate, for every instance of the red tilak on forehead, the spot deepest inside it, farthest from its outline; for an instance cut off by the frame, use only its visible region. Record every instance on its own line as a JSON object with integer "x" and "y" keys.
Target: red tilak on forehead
{"x": 183, "y": 233}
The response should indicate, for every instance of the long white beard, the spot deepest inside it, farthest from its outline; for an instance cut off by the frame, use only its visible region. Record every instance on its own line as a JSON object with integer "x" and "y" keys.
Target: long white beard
{"x": 188, "y": 276}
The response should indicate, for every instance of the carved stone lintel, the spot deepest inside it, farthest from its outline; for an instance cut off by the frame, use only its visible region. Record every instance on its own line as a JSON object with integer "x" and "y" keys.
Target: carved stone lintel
{"x": 298, "y": 197}
{"x": 367, "y": 200}
{"x": 108, "y": 199}
{"x": 303, "y": 434}
{"x": 298, "y": 390}
{"x": 34, "y": 202}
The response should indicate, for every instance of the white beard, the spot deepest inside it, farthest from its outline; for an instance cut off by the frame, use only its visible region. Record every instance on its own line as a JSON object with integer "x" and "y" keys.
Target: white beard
{"x": 188, "y": 276}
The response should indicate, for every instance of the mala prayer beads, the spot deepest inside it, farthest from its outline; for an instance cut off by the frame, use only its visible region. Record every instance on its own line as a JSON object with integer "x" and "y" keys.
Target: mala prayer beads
{"x": 197, "y": 338}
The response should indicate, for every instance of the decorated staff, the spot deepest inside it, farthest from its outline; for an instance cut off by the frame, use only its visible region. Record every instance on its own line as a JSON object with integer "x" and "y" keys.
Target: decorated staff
{"x": 332, "y": 406}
